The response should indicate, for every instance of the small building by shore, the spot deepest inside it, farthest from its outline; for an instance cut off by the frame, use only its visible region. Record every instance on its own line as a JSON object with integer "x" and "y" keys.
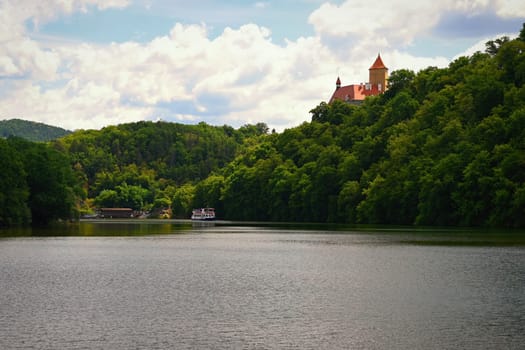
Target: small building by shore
{"x": 116, "y": 213}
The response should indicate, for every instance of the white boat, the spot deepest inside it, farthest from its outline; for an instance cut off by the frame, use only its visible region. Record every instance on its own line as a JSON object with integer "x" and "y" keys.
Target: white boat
{"x": 203, "y": 214}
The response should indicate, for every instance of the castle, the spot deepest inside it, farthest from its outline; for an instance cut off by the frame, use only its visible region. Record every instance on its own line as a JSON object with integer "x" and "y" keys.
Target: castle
{"x": 356, "y": 93}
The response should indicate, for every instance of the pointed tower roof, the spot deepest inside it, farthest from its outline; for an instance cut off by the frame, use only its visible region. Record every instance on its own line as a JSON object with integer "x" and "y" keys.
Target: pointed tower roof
{"x": 378, "y": 64}
{"x": 338, "y": 83}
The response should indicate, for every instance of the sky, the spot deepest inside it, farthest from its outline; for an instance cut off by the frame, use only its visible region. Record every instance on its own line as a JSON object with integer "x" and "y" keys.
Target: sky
{"x": 87, "y": 64}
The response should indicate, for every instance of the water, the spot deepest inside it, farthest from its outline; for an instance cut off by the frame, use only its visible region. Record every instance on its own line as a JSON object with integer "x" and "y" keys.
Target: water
{"x": 171, "y": 286}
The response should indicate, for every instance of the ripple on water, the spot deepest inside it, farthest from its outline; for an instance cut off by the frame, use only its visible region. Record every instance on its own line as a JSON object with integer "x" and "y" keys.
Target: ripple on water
{"x": 258, "y": 289}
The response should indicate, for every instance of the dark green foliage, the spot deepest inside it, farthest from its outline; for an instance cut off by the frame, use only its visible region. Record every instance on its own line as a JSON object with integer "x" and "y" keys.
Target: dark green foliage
{"x": 14, "y": 191}
{"x": 492, "y": 46}
{"x": 440, "y": 147}
{"x": 31, "y": 131}
{"x": 398, "y": 81}
{"x": 177, "y": 152}
{"x": 38, "y": 184}
{"x": 147, "y": 165}
{"x": 124, "y": 196}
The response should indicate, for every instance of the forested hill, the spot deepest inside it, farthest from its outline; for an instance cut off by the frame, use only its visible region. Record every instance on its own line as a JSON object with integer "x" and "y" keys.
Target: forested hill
{"x": 144, "y": 165}
{"x": 443, "y": 146}
{"x": 31, "y": 131}
{"x": 440, "y": 147}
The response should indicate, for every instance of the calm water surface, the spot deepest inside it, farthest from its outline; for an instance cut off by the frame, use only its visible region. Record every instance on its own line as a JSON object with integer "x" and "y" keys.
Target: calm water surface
{"x": 174, "y": 286}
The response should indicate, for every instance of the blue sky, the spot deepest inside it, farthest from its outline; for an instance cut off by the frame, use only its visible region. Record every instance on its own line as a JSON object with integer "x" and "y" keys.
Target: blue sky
{"x": 92, "y": 63}
{"x": 143, "y": 21}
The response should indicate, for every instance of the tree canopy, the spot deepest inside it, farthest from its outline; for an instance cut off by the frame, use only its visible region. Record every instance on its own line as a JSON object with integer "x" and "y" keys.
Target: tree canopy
{"x": 443, "y": 146}
{"x": 31, "y": 131}
{"x": 38, "y": 184}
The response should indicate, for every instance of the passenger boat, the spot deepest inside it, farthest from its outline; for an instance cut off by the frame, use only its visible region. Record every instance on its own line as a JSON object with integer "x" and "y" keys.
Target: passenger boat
{"x": 203, "y": 214}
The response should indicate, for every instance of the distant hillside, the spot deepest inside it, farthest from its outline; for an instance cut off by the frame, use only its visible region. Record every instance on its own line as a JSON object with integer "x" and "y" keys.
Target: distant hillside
{"x": 31, "y": 131}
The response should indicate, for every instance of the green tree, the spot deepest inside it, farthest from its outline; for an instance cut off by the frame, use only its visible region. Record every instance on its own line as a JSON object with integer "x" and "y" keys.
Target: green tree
{"x": 108, "y": 199}
{"x": 208, "y": 193}
{"x": 492, "y": 46}
{"x": 132, "y": 196}
{"x": 53, "y": 186}
{"x": 181, "y": 203}
{"x": 398, "y": 81}
{"x": 348, "y": 200}
{"x": 14, "y": 191}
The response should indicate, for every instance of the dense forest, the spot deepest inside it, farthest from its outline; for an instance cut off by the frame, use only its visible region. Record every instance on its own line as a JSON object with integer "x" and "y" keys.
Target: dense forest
{"x": 37, "y": 185}
{"x": 31, "y": 131}
{"x": 151, "y": 166}
{"x": 443, "y": 146}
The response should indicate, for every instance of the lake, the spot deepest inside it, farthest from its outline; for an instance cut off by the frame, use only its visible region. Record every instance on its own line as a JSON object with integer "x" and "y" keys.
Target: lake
{"x": 172, "y": 285}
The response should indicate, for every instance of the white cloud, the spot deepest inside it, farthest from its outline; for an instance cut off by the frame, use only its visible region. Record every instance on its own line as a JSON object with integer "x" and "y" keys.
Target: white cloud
{"x": 105, "y": 4}
{"x": 237, "y": 77}
{"x": 510, "y": 8}
{"x": 261, "y": 4}
{"x": 396, "y": 24}
{"x": 72, "y": 106}
{"x": 21, "y": 56}
{"x": 24, "y": 58}
{"x": 386, "y": 22}
{"x": 402, "y": 60}
{"x": 18, "y": 11}
{"x": 480, "y": 45}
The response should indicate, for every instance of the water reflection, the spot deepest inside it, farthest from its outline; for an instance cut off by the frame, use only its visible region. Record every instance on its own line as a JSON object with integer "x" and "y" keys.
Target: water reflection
{"x": 352, "y": 234}
{"x": 98, "y": 228}
{"x": 172, "y": 285}
{"x": 202, "y": 224}
{"x": 375, "y": 235}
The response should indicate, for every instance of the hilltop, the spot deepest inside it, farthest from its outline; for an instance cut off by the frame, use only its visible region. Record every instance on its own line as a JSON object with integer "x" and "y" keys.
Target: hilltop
{"x": 440, "y": 147}
{"x": 31, "y": 131}
{"x": 443, "y": 146}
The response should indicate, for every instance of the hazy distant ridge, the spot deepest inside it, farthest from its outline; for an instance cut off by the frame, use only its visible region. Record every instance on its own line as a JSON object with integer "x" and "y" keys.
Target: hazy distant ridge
{"x": 32, "y": 131}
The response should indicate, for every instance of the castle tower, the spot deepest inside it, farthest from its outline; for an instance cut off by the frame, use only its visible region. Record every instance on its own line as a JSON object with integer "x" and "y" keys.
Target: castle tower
{"x": 378, "y": 74}
{"x": 356, "y": 93}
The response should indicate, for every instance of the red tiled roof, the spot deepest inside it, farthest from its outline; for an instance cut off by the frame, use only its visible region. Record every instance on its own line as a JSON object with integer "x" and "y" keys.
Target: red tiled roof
{"x": 355, "y": 92}
{"x": 378, "y": 64}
